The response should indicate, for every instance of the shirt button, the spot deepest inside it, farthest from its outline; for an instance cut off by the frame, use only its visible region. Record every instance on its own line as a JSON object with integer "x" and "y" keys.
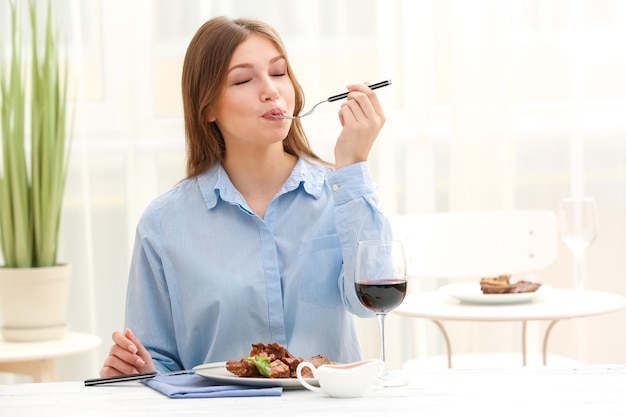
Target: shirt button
{"x": 335, "y": 187}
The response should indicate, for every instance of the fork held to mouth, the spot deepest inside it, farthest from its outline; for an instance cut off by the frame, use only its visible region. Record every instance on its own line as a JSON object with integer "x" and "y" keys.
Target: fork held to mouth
{"x": 335, "y": 98}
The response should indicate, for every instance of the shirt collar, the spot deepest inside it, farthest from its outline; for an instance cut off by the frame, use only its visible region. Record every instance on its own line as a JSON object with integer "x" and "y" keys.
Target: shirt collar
{"x": 215, "y": 182}
{"x": 310, "y": 174}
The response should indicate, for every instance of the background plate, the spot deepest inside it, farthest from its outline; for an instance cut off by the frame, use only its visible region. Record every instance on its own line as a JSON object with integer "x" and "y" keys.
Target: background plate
{"x": 217, "y": 372}
{"x": 470, "y": 293}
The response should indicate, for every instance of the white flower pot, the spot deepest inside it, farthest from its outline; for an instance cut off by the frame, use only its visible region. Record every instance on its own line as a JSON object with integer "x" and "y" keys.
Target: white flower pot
{"x": 33, "y": 302}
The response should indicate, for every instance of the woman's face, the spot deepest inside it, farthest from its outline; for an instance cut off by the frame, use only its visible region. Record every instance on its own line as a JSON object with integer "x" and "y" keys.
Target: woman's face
{"x": 257, "y": 89}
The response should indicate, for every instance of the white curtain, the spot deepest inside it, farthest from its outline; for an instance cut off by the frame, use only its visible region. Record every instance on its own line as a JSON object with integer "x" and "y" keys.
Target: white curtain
{"x": 495, "y": 104}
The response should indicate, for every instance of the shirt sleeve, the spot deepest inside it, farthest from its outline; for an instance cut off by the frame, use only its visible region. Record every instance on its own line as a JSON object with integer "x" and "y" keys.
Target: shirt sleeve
{"x": 358, "y": 216}
{"x": 148, "y": 307}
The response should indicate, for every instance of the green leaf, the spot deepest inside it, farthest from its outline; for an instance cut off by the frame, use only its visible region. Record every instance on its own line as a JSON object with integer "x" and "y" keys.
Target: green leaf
{"x": 262, "y": 364}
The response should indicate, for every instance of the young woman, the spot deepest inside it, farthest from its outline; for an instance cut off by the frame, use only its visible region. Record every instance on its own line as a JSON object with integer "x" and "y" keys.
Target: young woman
{"x": 258, "y": 243}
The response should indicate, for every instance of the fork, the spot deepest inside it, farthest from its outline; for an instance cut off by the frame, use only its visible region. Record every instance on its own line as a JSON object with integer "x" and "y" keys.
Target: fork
{"x": 334, "y": 98}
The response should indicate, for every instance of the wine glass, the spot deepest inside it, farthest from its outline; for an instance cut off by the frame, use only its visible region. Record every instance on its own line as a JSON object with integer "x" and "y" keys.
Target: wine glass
{"x": 380, "y": 284}
{"x": 578, "y": 228}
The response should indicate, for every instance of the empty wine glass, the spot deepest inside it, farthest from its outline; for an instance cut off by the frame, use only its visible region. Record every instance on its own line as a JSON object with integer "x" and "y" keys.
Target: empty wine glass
{"x": 578, "y": 228}
{"x": 380, "y": 284}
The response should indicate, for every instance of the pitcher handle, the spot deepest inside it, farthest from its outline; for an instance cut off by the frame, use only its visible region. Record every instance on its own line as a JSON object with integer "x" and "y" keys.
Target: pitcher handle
{"x": 303, "y": 381}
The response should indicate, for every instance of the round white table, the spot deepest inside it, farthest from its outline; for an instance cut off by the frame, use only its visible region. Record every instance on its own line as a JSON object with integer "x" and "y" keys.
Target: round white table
{"x": 37, "y": 358}
{"x": 554, "y": 305}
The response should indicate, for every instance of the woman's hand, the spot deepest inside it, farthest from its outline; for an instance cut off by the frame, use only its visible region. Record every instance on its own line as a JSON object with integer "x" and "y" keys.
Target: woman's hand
{"x": 362, "y": 117}
{"x": 127, "y": 356}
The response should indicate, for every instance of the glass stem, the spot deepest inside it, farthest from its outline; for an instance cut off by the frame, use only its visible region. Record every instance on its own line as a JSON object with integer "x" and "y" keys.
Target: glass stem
{"x": 579, "y": 271}
{"x": 381, "y": 323}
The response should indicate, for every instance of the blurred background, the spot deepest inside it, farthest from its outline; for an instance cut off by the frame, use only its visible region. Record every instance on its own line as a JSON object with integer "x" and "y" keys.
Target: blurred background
{"x": 495, "y": 104}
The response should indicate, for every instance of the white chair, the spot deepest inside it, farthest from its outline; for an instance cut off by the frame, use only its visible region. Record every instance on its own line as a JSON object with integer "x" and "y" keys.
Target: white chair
{"x": 470, "y": 245}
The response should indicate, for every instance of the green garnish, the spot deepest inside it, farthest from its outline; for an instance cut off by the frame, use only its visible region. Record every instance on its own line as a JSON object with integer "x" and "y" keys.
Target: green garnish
{"x": 262, "y": 364}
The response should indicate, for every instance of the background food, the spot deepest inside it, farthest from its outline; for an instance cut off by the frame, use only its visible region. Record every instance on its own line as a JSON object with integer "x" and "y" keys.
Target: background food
{"x": 502, "y": 285}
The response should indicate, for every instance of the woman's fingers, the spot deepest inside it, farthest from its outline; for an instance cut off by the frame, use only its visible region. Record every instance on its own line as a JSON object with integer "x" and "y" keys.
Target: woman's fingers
{"x": 363, "y": 102}
{"x": 114, "y": 366}
{"x": 126, "y": 356}
{"x": 141, "y": 351}
{"x": 362, "y": 118}
{"x": 126, "y": 349}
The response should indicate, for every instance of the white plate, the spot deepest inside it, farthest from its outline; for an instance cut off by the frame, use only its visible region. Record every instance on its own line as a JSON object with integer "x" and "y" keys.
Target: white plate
{"x": 217, "y": 372}
{"x": 471, "y": 293}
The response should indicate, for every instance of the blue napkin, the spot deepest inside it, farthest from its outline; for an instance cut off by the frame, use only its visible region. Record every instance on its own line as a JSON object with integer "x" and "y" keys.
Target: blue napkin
{"x": 196, "y": 386}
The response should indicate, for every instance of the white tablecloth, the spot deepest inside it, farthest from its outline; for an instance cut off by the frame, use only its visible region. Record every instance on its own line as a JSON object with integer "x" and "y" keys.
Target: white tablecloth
{"x": 531, "y": 392}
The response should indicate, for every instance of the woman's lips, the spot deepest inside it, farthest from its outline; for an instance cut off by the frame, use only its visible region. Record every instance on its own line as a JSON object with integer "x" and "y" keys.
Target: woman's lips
{"x": 274, "y": 114}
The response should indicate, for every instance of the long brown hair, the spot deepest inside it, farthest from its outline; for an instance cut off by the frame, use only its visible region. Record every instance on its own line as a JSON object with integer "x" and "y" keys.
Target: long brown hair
{"x": 204, "y": 78}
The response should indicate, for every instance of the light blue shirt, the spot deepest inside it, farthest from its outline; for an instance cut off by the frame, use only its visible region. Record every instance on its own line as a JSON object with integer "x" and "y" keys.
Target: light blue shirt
{"x": 209, "y": 277}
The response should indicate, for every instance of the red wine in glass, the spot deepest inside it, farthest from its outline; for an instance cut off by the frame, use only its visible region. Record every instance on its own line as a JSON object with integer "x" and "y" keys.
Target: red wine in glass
{"x": 380, "y": 285}
{"x": 381, "y": 295}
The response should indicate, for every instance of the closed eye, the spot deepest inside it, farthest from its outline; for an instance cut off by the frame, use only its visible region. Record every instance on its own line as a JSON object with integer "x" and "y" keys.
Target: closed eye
{"x": 241, "y": 82}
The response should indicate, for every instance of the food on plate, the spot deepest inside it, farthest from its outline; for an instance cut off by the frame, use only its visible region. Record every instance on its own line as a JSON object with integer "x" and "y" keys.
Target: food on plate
{"x": 271, "y": 361}
{"x": 502, "y": 285}
{"x": 500, "y": 281}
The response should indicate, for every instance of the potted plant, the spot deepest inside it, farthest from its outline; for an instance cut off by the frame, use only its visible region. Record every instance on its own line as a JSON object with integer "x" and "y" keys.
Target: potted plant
{"x": 34, "y": 287}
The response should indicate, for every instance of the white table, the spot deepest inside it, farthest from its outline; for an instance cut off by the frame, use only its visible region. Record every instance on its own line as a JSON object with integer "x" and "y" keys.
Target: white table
{"x": 527, "y": 392}
{"x": 37, "y": 358}
{"x": 555, "y": 305}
